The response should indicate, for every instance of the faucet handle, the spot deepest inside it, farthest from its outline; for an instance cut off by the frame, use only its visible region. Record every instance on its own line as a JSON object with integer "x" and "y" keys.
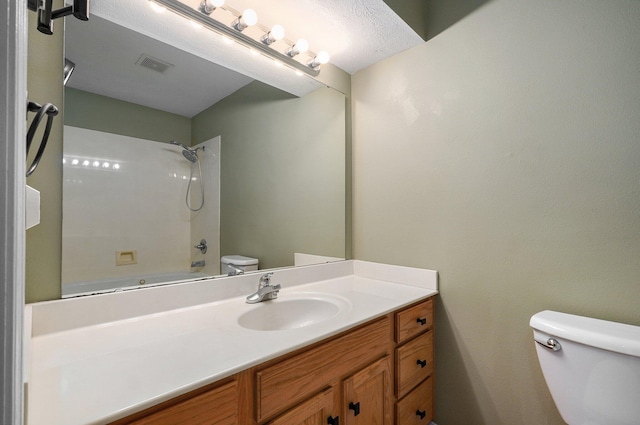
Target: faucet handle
{"x": 265, "y": 279}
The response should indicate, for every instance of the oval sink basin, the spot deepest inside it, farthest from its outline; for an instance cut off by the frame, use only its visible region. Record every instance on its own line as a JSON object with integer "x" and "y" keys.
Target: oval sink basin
{"x": 283, "y": 314}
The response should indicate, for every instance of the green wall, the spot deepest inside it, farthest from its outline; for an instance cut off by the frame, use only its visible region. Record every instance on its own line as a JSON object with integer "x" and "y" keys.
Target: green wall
{"x": 101, "y": 113}
{"x": 504, "y": 153}
{"x": 44, "y": 241}
{"x": 282, "y": 172}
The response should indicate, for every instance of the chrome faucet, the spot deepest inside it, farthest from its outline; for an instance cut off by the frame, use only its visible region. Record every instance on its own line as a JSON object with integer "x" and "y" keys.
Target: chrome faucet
{"x": 266, "y": 291}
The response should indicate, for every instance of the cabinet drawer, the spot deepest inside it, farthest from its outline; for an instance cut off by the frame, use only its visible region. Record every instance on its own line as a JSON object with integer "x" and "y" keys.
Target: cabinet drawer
{"x": 414, "y": 320}
{"x": 218, "y": 406}
{"x": 414, "y": 362}
{"x": 417, "y": 407}
{"x": 294, "y": 379}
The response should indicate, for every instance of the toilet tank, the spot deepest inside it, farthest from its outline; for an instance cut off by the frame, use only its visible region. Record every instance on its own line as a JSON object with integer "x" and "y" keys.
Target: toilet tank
{"x": 246, "y": 264}
{"x": 591, "y": 366}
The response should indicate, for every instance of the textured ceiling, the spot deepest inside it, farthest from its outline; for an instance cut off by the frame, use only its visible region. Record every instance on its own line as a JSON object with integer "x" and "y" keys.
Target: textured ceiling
{"x": 356, "y": 33}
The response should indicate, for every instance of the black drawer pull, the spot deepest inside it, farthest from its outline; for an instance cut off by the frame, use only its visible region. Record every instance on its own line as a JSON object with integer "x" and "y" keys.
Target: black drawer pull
{"x": 422, "y": 321}
{"x": 422, "y": 363}
{"x": 355, "y": 407}
{"x": 421, "y": 413}
{"x": 333, "y": 421}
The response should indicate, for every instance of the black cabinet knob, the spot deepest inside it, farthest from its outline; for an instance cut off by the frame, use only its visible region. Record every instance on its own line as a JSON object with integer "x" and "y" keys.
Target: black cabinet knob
{"x": 333, "y": 421}
{"x": 422, "y": 321}
{"x": 421, "y": 413}
{"x": 421, "y": 363}
{"x": 355, "y": 407}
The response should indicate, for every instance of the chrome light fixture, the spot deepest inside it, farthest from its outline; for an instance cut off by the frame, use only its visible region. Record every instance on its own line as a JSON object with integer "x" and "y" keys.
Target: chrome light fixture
{"x": 321, "y": 58}
{"x": 276, "y": 33}
{"x": 247, "y": 19}
{"x": 265, "y": 44}
{"x": 300, "y": 46}
{"x": 208, "y": 6}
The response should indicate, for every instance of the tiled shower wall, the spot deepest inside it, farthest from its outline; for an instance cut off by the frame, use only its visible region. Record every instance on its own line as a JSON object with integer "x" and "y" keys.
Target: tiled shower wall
{"x": 124, "y": 194}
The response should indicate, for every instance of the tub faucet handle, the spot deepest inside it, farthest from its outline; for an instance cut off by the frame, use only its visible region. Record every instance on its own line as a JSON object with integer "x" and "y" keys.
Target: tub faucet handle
{"x": 202, "y": 246}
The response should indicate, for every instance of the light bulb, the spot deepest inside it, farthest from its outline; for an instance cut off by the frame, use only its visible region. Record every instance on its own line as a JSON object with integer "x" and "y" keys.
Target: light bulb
{"x": 248, "y": 18}
{"x": 321, "y": 58}
{"x": 300, "y": 46}
{"x": 208, "y": 6}
{"x": 276, "y": 33}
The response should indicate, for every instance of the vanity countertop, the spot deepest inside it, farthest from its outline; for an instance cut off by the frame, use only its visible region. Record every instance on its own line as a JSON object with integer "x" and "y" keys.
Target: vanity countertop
{"x": 92, "y": 360}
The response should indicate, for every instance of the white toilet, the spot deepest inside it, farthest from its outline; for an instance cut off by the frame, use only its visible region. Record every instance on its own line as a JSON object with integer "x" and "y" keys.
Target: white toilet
{"x": 591, "y": 366}
{"x": 237, "y": 264}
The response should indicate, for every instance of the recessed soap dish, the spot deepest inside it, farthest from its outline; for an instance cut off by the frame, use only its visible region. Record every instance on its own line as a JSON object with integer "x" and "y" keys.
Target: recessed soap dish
{"x": 125, "y": 258}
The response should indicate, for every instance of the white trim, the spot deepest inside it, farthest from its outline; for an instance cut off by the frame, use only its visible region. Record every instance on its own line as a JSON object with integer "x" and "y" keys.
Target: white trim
{"x": 13, "y": 87}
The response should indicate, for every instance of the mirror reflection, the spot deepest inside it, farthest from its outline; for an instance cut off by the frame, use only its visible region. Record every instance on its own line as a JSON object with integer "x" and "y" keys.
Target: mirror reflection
{"x": 158, "y": 165}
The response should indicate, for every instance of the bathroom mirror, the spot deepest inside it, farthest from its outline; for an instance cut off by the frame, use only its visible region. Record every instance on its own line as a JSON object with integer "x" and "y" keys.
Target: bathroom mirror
{"x": 271, "y": 165}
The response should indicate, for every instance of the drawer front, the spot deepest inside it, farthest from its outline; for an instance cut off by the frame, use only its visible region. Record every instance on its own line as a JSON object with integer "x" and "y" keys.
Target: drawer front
{"x": 414, "y": 320}
{"x": 292, "y": 380}
{"x": 218, "y": 406}
{"x": 417, "y": 407}
{"x": 414, "y": 362}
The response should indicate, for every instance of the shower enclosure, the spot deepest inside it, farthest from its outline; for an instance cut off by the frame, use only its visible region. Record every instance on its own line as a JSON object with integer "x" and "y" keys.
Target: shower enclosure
{"x": 125, "y": 219}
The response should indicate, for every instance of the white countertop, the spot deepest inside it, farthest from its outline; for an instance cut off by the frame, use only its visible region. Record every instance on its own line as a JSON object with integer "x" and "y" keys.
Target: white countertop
{"x": 88, "y": 370}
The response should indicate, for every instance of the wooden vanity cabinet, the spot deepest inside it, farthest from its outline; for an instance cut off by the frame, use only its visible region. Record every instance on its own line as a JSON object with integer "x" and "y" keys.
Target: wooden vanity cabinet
{"x": 380, "y": 373}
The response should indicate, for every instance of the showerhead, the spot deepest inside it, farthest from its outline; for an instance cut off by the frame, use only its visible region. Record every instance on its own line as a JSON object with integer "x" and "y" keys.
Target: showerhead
{"x": 190, "y": 154}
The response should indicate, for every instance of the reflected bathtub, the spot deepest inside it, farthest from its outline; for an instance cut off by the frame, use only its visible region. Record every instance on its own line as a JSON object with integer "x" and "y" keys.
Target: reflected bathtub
{"x": 103, "y": 286}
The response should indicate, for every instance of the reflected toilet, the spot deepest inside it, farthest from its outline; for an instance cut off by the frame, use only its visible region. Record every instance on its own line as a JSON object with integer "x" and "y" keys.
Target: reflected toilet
{"x": 237, "y": 264}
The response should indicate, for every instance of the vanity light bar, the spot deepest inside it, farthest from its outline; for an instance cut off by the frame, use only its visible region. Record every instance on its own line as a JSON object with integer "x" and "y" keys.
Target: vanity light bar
{"x": 236, "y": 35}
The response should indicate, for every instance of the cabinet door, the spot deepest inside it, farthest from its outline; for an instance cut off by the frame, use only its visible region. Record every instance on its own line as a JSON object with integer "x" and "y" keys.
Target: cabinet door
{"x": 367, "y": 395}
{"x": 315, "y": 411}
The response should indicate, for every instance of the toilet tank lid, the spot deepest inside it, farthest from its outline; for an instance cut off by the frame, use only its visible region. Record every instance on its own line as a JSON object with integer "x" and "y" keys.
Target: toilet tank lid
{"x": 239, "y": 260}
{"x": 612, "y": 336}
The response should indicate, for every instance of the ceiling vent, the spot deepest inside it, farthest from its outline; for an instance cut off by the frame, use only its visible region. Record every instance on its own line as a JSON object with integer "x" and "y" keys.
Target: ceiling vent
{"x": 153, "y": 63}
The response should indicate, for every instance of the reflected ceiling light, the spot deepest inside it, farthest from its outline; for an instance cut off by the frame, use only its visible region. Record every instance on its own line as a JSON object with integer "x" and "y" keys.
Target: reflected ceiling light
{"x": 208, "y": 6}
{"x": 321, "y": 58}
{"x": 247, "y": 19}
{"x": 261, "y": 39}
{"x": 276, "y": 33}
{"x": 300, "y": 46}
{"x": 156, "y": 7}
